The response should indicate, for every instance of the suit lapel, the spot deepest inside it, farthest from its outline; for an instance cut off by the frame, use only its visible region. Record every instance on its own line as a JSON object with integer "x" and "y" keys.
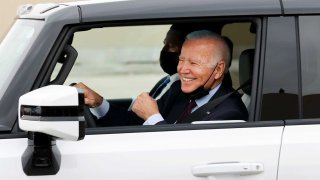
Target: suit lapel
{"x": 176, "y": 102}
{"x": 221, "y": 91}
{"x": 210, "y": 113}
{"x": 172, "y": 103}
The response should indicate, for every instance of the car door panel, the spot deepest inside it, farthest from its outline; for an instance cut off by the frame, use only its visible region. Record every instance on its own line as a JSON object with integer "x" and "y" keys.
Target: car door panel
{"x": 300, "y": 158}
{"x": 10, "y": 158}
{"x": 170, "y": 155}
{"x": 158, "y": 155}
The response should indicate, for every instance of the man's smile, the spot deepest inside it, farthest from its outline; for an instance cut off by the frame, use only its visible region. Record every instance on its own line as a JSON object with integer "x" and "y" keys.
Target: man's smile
{"x": 187, "y": 79}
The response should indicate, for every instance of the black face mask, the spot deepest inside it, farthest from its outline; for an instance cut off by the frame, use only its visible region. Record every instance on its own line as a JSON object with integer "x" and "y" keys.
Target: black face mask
{"x": 198, "y": 93}
{"x": 201, "y": 91}
{"x": 169, "y": 62}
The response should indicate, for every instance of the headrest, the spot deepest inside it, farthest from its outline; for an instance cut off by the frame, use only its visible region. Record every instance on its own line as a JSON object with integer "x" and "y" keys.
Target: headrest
{"x": 227, "y": 80}
{"x": 230, "y": 45}
{"x": 246, "y": 68}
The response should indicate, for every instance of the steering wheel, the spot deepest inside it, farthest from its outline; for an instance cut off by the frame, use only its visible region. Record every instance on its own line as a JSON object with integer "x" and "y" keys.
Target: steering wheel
{"x": 90, "y": 121}
{"x": 88, "y": 117}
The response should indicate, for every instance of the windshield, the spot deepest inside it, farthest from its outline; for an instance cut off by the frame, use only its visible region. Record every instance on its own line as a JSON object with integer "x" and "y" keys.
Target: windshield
{"x": 14, "y": 47}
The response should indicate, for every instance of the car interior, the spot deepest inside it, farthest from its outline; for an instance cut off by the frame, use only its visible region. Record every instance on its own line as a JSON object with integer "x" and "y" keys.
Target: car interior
{"x": 121, "y": 61}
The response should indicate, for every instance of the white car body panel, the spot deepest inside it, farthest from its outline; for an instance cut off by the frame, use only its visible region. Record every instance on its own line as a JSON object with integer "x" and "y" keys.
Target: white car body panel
{"x": 300, "y": 157}
{"x": 157, "y": 155}
{"x": 10, "y": 158}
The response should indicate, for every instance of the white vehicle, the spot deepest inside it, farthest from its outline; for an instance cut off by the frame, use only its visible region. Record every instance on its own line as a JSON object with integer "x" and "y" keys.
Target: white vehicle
{"x": 114, "y": 47}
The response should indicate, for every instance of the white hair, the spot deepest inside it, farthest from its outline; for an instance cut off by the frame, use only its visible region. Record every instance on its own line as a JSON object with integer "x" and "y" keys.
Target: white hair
{"x": 222, "y": 51}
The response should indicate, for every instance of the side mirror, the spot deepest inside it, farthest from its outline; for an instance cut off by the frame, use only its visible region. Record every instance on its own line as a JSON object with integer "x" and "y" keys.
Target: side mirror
{"x": 55, "y": 110}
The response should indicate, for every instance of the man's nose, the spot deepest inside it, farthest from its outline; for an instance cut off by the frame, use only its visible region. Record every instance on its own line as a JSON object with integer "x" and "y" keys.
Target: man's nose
{"x": 184, "y": 68}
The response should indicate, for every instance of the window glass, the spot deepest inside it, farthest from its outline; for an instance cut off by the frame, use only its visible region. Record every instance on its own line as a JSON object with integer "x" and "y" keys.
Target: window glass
{"x": 309, "y": 28}
{"x": 280, "y": 80}
{"x": 13, "y": 47}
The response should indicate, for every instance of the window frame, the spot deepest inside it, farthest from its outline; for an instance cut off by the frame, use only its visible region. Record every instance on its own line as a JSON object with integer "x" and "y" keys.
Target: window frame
{"x": 263, "y": 60}
{"x": 68, "y": 32}
{"x": 300, "y": 38}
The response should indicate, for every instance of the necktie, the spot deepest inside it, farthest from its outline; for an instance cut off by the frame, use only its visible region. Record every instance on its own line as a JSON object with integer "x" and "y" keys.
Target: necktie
{"x": 187, "y": 111}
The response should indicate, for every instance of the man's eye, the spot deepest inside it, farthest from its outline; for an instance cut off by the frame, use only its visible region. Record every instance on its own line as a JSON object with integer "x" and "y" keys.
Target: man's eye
{"x": 194, "y": 63}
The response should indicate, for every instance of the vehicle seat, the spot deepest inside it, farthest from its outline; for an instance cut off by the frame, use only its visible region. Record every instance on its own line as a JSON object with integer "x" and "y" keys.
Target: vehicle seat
{"x": 227, "y": 80}
{"x": 245, "y": 73}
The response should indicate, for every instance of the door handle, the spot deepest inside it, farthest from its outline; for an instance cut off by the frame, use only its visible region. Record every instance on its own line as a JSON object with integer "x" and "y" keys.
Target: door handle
{"x": 227, "y": 168}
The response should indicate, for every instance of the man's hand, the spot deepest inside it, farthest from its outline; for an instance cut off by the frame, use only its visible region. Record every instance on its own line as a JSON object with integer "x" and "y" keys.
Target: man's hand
{"x": 91, "y": 98}
{"x": 145, "y": 106}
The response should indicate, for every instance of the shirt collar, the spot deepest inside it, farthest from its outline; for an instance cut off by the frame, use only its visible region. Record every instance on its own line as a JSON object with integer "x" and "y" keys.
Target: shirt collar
{"x": 201, "y": 101}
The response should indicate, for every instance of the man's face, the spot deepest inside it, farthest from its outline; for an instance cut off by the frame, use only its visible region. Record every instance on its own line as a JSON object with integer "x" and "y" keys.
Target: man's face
{"x": 195, "y": 64}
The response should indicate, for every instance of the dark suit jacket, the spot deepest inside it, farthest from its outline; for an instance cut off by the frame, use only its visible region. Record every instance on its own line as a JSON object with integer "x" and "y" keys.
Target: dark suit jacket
{"x": 172, "y": 104}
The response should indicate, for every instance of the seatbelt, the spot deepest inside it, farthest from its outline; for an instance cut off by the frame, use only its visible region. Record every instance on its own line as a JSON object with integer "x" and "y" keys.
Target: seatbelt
{"x": 203, "y": 110}
{"x": 152, "y": 92}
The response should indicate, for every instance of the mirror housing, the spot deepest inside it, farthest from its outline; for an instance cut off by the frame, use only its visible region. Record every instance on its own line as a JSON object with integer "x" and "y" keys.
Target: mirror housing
{"x": 55, "y": 110}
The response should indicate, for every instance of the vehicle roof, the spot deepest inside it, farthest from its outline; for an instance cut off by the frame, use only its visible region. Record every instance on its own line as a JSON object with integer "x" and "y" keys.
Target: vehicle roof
{"x": 301, "y": 6}
{"x": 101, "y": 10}
{"x": 144, "y": 9}
{"x": 104, "y": 10}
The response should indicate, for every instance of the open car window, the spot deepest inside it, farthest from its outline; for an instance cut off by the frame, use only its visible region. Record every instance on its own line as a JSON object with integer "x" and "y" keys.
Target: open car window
{"x": 120, "y": 62}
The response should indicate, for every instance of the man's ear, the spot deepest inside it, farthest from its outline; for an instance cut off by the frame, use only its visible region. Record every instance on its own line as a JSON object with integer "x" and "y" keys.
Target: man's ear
{"x": 220, "y": 70}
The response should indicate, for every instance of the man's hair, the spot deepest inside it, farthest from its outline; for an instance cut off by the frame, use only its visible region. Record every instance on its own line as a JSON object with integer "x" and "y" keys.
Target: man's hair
{"x": 223, "y": 51}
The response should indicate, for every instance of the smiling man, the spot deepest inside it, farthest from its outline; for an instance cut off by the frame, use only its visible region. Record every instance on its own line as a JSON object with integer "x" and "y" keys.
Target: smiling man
{"x": 202, "y": 65}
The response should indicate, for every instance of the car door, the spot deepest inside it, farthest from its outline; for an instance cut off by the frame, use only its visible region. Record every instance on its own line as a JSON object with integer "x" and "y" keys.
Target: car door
{"x": 294, "y": 96}
{"x": 227, "y": 150}
{"x": 230, "y": 150}
{"x": 299, "y": 153}
{"x": 234, "y": 152}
